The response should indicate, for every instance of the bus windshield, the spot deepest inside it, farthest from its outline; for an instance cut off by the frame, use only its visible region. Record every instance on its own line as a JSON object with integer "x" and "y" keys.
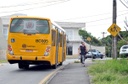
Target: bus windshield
{"x": 29, "y": 26}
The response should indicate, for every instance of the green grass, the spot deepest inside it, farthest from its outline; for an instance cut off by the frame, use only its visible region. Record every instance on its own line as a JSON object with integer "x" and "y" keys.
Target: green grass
{"x": 3, "y": 61}
{"x": 109, "y": 72}
{"x": 76, "y": 61}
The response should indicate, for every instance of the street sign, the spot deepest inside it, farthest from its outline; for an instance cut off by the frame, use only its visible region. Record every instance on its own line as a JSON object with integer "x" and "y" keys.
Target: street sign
{"x": 114, "y": 29}
{"x": 89, "y": 39}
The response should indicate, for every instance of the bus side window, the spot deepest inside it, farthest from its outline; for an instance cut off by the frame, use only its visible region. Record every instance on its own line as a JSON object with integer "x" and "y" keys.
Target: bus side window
{"x": 53, "y": 37}
{"x": 60, "y": 40}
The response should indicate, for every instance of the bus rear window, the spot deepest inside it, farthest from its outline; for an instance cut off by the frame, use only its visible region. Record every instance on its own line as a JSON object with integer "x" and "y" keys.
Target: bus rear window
{"x": 29, "y": 26}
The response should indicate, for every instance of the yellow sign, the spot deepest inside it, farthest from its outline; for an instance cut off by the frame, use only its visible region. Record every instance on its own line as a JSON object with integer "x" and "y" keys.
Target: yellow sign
{"x": 114, "y": 29}
{"x": 89, "y": 39}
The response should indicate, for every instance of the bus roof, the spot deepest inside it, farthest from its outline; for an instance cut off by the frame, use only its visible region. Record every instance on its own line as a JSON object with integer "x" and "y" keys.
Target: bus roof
{"x": 30, "y": 17}
{"x": 58, "y": 26}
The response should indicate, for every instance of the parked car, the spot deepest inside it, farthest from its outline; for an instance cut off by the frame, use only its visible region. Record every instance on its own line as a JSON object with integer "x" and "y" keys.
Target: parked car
{"x": 93, "y": 53}
{"x": 124, "y": 50}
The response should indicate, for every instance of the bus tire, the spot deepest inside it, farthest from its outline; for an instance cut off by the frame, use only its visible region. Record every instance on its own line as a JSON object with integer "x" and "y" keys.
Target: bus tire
{"x": 61, "y": 63}
{"x": 54, "y": 66}
{"x": 20, "y": 65}
{"x": 23, "y": 66}
{"x": 26, "y": 66}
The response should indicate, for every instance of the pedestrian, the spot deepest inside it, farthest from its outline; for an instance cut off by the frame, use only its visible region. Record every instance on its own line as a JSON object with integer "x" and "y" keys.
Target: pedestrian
{"x": 82, "y": 52}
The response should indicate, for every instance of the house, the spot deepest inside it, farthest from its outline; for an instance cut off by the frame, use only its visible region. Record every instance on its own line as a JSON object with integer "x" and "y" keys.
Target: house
{"x": 72, "y": 31}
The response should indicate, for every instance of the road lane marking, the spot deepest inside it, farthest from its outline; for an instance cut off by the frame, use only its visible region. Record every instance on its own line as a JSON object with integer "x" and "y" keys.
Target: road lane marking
{"x": 51, "y": 75}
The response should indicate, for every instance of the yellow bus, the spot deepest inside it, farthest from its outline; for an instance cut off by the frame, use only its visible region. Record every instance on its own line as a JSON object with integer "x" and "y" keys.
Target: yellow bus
{"x": 35, "y": 40}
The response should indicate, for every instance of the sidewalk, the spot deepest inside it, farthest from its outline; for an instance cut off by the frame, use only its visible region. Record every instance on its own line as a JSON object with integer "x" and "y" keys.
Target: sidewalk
{"x": 73, "y": 73}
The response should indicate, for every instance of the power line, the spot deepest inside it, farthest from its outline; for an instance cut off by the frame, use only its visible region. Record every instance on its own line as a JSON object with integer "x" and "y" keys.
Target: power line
{"x": 92, "y": 15}
{"x": 57, "y": 2}
{"x": 105, "y": 18}
{"x": 34, "y": 7}
{"x": 28, "y": 4}
{"x": 103, "y": 24}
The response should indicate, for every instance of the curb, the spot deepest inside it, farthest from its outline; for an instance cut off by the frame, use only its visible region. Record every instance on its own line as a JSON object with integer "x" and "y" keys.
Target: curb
{"x": 47, "y": 79}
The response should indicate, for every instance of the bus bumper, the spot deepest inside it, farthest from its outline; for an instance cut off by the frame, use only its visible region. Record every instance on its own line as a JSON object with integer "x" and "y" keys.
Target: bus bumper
{"x": 30, "y": 59}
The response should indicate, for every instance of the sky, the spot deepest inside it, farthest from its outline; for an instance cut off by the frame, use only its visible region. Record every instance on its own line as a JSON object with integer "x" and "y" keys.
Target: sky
{"x": 97, "y": 14}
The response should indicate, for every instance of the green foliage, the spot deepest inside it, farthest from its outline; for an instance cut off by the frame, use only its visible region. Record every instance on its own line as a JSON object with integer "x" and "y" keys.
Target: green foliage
{"x": 107, "y": 41}
{"x": 110, "y": 72}
{"x": 124, "y": 34}
{"x": 84, "y": 34}
{"x": 93, "y": 41}
{"x": 122, "y": 42}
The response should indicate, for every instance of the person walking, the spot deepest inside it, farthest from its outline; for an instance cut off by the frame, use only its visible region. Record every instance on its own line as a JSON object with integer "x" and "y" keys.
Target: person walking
{"x": 82, "y": 52}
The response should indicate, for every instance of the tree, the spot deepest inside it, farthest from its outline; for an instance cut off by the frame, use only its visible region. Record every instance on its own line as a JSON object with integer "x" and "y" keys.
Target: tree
{"x": 85, "y": 35}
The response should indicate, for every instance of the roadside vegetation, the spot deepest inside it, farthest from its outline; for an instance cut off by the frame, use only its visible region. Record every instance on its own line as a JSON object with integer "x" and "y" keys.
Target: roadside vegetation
{"x": 122, "y": 39}
{"x": 109, "y": 72}
{"x": 3, "y": 61}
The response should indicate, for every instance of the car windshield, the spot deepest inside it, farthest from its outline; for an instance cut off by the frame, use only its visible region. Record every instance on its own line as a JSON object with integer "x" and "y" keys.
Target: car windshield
{"x": 29, "y": 25}
{"x": 125, "y": 47}
{"x": 92, "y": 50}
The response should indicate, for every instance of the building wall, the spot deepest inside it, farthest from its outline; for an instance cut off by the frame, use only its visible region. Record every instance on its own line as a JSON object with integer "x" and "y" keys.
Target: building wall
{"x": 75, "y": 48}
{"x": 3, "y": 42}
{"x": 74, "y": 40}
{"x": 73, "y": 34}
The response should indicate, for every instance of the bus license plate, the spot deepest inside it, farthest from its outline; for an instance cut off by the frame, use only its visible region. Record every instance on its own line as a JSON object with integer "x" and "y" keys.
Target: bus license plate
{"x": 29, "y": 50}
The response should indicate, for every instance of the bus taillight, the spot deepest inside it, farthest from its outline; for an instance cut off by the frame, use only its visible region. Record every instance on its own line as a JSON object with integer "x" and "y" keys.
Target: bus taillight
{"x": 10, "y": 49}
{"x": 46, "y": 53}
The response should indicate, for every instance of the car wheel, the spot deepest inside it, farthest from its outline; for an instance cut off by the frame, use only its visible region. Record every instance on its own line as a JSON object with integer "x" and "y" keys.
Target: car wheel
{"x": 94, "y": 57}
{"x": 101, "y": 57}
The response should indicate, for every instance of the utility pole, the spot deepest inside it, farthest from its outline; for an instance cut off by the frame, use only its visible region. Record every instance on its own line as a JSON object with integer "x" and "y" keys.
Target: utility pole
{"x": 103, "y": 33}
{"x": 103, "y": 41}
{"x": 114, "y": 38}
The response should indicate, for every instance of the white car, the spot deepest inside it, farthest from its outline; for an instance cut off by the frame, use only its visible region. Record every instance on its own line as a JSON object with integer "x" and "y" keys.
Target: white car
{"x": 124, "y": 50}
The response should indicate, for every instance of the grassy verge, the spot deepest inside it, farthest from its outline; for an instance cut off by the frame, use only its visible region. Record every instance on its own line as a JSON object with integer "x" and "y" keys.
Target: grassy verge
{"x": 109, "y": 72}
{"x": 3, "y": 61}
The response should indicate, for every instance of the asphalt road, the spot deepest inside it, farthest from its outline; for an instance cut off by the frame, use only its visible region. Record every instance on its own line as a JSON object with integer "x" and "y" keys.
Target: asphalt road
{"x": 10, "y": 74}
